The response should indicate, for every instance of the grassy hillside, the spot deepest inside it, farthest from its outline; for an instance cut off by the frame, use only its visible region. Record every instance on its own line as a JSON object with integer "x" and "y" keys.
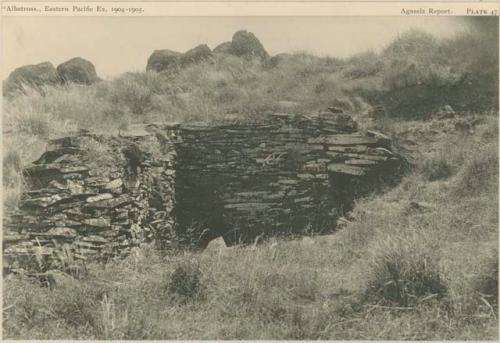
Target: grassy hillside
{"x": 411, "y": 78}
{"x": 418, "y": 262}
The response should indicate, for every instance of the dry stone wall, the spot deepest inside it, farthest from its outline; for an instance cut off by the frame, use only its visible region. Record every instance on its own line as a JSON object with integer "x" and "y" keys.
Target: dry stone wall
{"x": 90, "y": 197}
{"x": 284, "y": 174}
{"x": 95, "y": 197}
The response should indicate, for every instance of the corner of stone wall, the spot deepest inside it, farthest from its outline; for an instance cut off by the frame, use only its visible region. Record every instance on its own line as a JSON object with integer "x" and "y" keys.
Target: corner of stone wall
{"x": 91, "y": 197}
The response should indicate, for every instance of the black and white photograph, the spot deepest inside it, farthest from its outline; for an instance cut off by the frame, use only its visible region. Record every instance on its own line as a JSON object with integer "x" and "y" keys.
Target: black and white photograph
{"x": 250, "y": 177}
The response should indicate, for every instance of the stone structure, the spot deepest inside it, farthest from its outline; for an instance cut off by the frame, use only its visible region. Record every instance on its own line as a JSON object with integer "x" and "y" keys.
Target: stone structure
{"x": 284, "y": 175}
{"x": 90, "y": 197}
{"x": 95, "y": 197}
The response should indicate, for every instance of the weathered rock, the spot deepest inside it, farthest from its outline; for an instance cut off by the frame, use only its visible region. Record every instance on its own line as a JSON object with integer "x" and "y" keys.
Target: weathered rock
{"x": 34, "y": 76}
{"x": 345, "y": 169}
{"x": 344, "y": 139}
{"x": 382, "y": 139}
{"x": 62, "y": 231}
{"x": 245, "y": 44}
{"x": 44, "y": 201}
{"x": 223, "y": 48}
{"x": 446, "y": 112}
{"x": 114, "y": 184}
{"x": 51, "y": 169}
{"x": 97, "y": 222}
{"x": 361, "y": 162}
{"x": 198, "y": 54}
{"x": 164, "y": 60}
{"x": 104, "y": 196}
{"x": 78, "y": 70}
{"x": 95, "y": 239}
{"x": 110, "y": 202}
{"x": 341, "y": 121}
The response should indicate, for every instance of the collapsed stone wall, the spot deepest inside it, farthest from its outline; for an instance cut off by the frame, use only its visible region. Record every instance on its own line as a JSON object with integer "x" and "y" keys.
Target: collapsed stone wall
{"x": 90, "y": 197}
{"x": 95, "y": 197}
{"x": 282, "y": 174}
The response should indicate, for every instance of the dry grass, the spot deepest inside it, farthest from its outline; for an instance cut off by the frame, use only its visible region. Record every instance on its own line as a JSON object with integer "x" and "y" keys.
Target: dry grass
{"x": 396, "y": 272}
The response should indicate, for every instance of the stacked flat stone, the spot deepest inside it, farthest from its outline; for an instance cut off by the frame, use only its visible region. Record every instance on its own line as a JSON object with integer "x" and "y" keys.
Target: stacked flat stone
{"x": 80, "y": 206}
{"x": 95, "y": 197}
{"x": 283, "y": 174}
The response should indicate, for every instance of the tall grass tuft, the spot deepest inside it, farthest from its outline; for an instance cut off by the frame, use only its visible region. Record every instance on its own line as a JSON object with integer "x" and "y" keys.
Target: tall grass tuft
{"x": 404, "y": 272}
{"x": 487, "y": 282}
{"x": 438, "y": 167}
{"x": 480, "y": 172}
{"x": 185, "y": 282}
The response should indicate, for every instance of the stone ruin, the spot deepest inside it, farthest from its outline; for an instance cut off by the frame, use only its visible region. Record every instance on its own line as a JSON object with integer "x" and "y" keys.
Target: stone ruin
{"x": 95, "y": 197}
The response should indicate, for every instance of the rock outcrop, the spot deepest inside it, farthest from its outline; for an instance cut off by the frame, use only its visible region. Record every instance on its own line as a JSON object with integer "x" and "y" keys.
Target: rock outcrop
{"x": 78, "y": 70}
{"x": 35, "y": 76}
{"x": 223, "y": 48}
{"x": 198, "y": 54}
{"x": 164, "y": 60}
{"x": 246, "y": 44}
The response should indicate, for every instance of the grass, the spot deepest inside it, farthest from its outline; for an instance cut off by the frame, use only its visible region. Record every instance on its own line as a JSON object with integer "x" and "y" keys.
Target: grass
{"x": 411, "y": 78}
{"x": 405, "y": 272}
{"x": 395, "y": 272}
{"x": 398, "y": 270}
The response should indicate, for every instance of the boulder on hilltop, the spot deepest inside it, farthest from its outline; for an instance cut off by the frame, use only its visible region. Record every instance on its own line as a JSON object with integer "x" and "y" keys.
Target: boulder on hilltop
{"x": 197, "y": 54}
{"x": 246, "y": 44}
{"x": 223, "y": 48}
{"x": 35, "y": 76}
{"x": 78, "y": 70}
{"x": 161, "y": 60}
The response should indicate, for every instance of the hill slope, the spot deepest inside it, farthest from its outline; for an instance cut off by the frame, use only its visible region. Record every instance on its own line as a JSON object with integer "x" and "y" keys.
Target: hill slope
{"x": 419, "y": 262}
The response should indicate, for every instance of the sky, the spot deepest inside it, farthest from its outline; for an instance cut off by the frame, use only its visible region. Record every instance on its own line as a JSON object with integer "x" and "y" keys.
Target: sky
{"x": 121, "y": 44}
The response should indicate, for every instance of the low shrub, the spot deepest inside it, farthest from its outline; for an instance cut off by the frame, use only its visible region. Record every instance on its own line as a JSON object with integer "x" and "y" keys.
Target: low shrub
{"x": 480, "y": 172}
{"x": 128, "y": 90}
{"x": 438, "y": 167}
{"x": 185, "y": 283}
{"x": 404, "y": 272}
